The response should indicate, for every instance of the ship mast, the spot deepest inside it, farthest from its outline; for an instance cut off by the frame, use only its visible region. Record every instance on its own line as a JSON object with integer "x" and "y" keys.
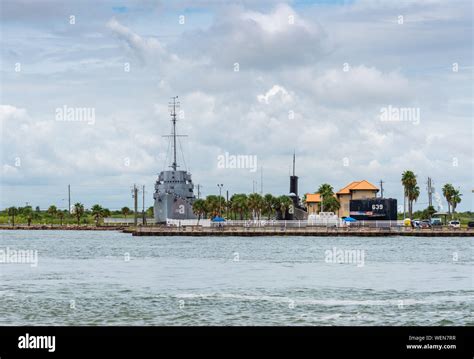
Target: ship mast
{"x": 294, "y": 159}
{"x": 173, "y": 105}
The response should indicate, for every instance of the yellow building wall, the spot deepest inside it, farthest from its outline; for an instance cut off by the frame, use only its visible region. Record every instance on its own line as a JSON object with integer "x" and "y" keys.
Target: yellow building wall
{"x": 344, "y": 202}
{"x": 363, "y": 194}
{"x": 313, "y": 207}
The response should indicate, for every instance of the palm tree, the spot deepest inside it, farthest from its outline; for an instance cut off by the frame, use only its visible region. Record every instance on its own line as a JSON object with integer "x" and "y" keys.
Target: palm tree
{"x": 284, "y": 203}
{"x": 411, "y": 191}
{"x": 239, "y": 204}
{"x": 268, "y": 204}
{"x": 199, "y": 208}
{"x": 97, "y": 212}
{"x": 448, "y": 191}
{"x": 212, "y": 205}
{"x": 78, "y": 211}
{"x": 325, "y": 189}
{"x": 28, "y": 213}
{"x": 52, "y": 211}
{"x": 125, "y": 211}
{"x": 329, "y": 203}
{"x": 455, "y": 199}
{"x": 413, "y": 195}
{"x": 106, "y": 212}
{"x": 12, "y": 212}
{"x": 228, "y": 207}
{"x": 60, "y": 216}
{"x": 255, "y": 204}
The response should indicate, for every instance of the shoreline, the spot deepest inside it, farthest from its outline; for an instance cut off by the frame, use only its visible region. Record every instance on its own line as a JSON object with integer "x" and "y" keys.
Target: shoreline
{"x": 163, "y": 231}
{"x": 47, "y": 227}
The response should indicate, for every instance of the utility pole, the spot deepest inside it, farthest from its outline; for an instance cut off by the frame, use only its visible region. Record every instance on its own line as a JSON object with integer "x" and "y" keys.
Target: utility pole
{"x": 135, "y": 204}
{"x": 227, "y": 202}
{"x": 199, "y": 192}
{"x": 430, "y": 192}
{"x": 220, "y": 191}
{"x": 381, "y": 189}
{"x": 143, "y": 205}
{"x": 261, "y": 181}
{"x": 404, "y": 203}
{"x": 69, "y": 197}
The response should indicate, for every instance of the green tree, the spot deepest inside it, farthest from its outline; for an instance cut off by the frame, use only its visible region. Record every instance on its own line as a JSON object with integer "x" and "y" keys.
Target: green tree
{"x": 239, "y": 204}
{"x": 78, "y": 211}
{"x": 284, "y": 204}
{"x": 429, "y": 212}
{"x": 12, "y": 212}
{"x": 52, "y": 211}
{"x": 150, "y": 211}
{"x": 61, "y": 217}
{"x": 268, "y": 204}
{"x": 448, "y": 191}
{"x": 255, "y": 204}
{"x": 97, "y": 212}
{"x": 411, "y": 190}
{"x": 214, "y": 205}
{"x": 28, "y": 213}
{"x": 199, "y": 208}
{"x": 329, "y": 203}
{"x": 125, "y": 211}
{"x": 455, "y": 199}
{"x": 413, "y": 195}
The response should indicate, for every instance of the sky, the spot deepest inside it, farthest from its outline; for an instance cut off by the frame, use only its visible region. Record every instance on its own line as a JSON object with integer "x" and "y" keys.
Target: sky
{"x": 323, "y": 79}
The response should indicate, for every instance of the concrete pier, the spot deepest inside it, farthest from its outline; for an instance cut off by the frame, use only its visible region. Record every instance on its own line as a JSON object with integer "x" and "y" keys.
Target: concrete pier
{"x": 308, "y": 231}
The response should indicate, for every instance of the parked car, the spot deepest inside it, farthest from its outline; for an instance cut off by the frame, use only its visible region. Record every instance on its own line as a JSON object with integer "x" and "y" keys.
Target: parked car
{"x": 470, "y": 224}
{"x": 415, "y": 223}
{"x": 425, "y": 223}
{"x": 436, "y": 221}
{"x": 455, "y": 224}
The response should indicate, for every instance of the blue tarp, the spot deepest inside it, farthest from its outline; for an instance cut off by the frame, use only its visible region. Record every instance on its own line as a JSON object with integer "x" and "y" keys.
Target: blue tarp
{"x": 218, "y": 219}
{"x": 349, "y": 219}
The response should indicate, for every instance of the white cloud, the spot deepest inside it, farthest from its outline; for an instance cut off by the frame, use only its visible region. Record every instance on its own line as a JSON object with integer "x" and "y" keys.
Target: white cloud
{"x": 276, "y": 93}
{"x": 258, "y": 40}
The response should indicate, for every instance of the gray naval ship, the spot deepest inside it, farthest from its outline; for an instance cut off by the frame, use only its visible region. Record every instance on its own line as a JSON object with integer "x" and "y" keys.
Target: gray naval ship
{"x": 174, "y": 189}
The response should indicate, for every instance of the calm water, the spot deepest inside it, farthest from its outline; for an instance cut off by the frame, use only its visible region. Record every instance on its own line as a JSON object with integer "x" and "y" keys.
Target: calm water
{"x": 84, "y": 278}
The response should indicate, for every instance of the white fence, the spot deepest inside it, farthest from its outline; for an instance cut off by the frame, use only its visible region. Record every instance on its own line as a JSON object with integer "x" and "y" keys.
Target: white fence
{"x": 254, "y": 223}
{"x": 128, "y": 220}
{"x": 188, "y": 222}
{"x": 323, "y": 221}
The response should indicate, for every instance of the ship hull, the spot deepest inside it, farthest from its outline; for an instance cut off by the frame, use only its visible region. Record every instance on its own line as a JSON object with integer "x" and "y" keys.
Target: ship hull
{"x": 174, "y": 196}
{"x": 167, "y": 206}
